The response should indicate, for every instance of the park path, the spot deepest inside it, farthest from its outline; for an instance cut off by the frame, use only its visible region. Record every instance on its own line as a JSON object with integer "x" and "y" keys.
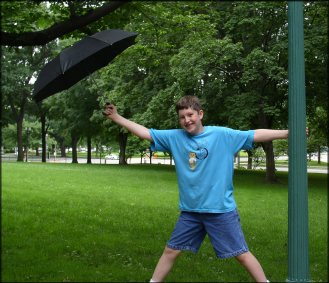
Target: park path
{"x": 135, "y": 160}
{"x": 164, "y": 161}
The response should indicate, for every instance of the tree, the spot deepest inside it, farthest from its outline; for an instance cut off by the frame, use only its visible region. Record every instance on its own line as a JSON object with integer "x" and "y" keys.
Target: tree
{"x": 9, "y": 137}
{"x": 87, "y": 106}
{"x": 145, "y": 89}
{"x": 70, "y": 115}
{"x": 240, "y": 64}
{"x": 17, "y": 68}
{"x": 318, "y": 136}
{"x": 261, "y": 73}
{"x": 37, "y": 23}
{"x": 316, "y": 73}
{"x": 231, "y": 54}
{"x": 55, "y": 19}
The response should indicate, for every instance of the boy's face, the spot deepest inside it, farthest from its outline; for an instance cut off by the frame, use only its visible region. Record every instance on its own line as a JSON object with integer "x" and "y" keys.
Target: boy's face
{"x": 191, "y": 120}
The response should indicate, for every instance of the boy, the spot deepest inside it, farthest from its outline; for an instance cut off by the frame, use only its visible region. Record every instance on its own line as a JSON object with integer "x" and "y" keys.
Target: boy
{"x": 204, "y": 161}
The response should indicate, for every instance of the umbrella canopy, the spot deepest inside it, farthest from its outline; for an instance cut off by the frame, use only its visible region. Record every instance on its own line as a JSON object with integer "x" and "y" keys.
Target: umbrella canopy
{"x": 80, "y": 60}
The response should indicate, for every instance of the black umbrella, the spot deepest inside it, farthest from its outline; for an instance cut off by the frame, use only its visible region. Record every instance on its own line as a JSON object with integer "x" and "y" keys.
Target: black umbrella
{"x": 80, "y": 60}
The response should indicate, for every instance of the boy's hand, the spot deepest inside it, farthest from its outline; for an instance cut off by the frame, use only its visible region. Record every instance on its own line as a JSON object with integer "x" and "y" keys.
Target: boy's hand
{"x": 109, "y": 110}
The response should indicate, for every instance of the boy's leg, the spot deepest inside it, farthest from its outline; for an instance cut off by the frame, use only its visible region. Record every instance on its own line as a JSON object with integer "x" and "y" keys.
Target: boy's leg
{"x": 226, "y": 236}
{"x": 187, "y": 235}
{"x": 251, "y": 264}
{"x": 165, "y": 264}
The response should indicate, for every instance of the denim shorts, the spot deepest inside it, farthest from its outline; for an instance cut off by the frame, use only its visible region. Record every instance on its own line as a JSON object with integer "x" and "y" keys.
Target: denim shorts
{"x": 223, "y": 229}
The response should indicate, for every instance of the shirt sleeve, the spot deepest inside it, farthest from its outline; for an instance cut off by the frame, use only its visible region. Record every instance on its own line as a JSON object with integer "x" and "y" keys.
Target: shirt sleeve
{"x": 249, "y": 143}
{"x": 160, "y": 140}
{"x": 241, "y": 139}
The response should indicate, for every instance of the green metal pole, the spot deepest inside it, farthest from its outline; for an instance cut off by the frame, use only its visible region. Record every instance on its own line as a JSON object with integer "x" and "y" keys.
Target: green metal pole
{"x": 298, "y": 260}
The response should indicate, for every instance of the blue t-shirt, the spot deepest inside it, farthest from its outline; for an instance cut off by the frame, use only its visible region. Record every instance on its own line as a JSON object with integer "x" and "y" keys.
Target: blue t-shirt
{"x": 204, "y": 165}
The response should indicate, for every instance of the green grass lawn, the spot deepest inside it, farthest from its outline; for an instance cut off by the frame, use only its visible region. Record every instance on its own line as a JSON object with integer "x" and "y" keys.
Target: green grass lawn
{"x": 110, "y": 223}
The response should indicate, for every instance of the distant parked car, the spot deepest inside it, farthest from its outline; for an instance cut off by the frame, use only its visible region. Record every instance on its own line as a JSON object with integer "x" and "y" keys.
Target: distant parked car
{"x": 112, "y": 156}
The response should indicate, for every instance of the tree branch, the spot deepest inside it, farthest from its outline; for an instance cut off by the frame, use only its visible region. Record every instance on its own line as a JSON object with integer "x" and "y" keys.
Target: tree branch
{"x": 58, "y": 29}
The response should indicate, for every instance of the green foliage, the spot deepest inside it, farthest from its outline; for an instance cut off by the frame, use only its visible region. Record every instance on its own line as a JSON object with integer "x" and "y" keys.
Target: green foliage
{"x": 233, "y": 55}
{"x": 72, "y": 111}
{"x": 29, "y": 16}
{"x": 318, "y": 130}
{"x": 24, "y": 16}
{"x": 280, "y": 148}
{"x": 258, "y": 156}
{"x": 9, "y": 137}
{"x": 316, "y": 57}
{"x": 136, "y": 145}
{"x": 18, "y": 68}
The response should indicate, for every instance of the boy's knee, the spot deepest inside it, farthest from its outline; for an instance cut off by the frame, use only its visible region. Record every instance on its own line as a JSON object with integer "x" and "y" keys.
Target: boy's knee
{"x": 171, "y": 252}
{"x": 242, "y": 258}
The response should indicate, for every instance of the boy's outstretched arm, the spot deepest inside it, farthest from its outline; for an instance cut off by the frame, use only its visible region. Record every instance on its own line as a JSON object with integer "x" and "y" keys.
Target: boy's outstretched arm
{"x": 110, "y": 111}
{"x": 266, "y": 135}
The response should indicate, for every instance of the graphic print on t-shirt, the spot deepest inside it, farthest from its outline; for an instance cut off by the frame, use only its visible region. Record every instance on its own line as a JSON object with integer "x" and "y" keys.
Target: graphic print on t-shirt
{"x": 192, "y": 160}
{"x": 198, "y": 152}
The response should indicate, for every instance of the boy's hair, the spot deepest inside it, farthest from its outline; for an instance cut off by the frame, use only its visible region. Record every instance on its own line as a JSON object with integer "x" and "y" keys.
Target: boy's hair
{"x": 189, "y": 101}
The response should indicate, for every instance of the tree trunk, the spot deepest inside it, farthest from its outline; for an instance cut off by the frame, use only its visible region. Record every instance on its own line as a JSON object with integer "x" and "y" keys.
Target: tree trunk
{"x": 249, "y": 166}
{"x": 43, "y": 138}
{"x": 265, "y": 122}
{"x": 141, "y": 153}
{"x": 63, "y": 149}
{"x": 20, "y": 156}
{"x": 151, "y": 154}
{"x": 319, "y": 155}
{"x": 123, "y": 137}
{"x": 270, "y": 162}
{"x": 88, "y": 149}
{"x": 74, "y": 148}
{"x": 238, "y": 159}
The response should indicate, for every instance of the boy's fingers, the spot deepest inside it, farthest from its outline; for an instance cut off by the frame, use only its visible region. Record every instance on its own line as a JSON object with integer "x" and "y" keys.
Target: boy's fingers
{"x": 108, "y": 105}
